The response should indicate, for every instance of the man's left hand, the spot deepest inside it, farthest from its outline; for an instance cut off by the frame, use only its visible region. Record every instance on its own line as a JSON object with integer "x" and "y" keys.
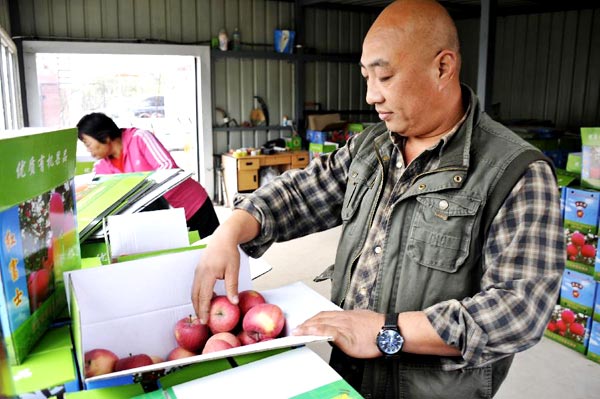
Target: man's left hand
{"x": 353, "y": 331}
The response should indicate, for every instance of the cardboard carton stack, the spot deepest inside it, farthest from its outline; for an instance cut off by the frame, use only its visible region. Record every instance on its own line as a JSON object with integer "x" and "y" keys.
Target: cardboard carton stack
{"x": 576, "y": 318}
{"x": 320, "y": 132}
{"x": 328, "y": 132}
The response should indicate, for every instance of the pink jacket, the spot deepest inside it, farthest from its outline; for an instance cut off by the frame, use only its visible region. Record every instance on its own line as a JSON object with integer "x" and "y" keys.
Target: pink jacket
{"x": 143, "y": 152}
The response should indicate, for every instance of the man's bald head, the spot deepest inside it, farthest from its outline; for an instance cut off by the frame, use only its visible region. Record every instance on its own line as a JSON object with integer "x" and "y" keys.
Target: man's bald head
{"x": 411, "y": 63}
{"x": 424, "y": 25}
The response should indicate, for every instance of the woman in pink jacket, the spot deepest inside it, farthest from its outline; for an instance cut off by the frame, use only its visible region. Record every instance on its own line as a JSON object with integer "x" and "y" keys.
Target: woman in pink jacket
{"x": 135, "y": 150}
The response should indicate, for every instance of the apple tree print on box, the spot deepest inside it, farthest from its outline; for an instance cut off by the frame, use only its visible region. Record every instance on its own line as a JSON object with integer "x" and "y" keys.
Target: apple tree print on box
{"x": 44, "y": 220}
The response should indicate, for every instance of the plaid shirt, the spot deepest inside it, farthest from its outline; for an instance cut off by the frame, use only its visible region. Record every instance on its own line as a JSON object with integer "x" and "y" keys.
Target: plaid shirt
{"x": 523, "y": 256}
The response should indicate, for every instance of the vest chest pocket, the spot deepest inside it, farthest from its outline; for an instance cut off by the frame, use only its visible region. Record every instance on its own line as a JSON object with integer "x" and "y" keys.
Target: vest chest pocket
{"x": 442, "y": 230}
{"x": 358, "y": 185}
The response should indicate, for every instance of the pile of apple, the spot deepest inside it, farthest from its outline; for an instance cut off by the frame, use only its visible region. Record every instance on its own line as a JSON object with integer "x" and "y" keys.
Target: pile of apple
{"x": 260, "y": 321}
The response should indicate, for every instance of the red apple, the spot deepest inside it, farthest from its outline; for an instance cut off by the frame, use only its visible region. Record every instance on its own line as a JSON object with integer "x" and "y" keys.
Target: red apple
{"x": 223, "y": 315}
{"x": 190, "y": 334}
{"x": 578, "y": 239}
{"x": 245, "y": 338}
{"x": 264, "y": 321}
{"x": 98, "y": 362}
{"x": 38, "y": 285}
{"x": 577, "y": 329}
{"x": 588, "y": 251}
{"x": 133, "y": 361}
{"x": 180, "y": 353}
{"x": 227, "y": 337}
{"x": 248, "y": 299}
{"x": 215, "y": 345}
{"x": 156, "y": 359}
{"x": 568, "y": 316}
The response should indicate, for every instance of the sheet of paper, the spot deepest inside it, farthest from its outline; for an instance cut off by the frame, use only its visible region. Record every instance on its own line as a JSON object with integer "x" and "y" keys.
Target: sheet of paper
{"x": 147, "y": 231}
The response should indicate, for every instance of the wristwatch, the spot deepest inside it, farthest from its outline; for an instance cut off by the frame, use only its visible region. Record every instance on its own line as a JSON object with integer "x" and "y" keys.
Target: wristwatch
{"x": 389, "y": 341}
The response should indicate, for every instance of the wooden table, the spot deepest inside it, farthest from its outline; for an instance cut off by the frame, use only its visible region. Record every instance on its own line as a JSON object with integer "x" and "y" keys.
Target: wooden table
{"x": 242, "y": 174}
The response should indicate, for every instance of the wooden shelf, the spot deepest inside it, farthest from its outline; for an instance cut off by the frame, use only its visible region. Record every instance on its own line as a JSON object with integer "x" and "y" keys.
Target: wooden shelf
{"x": 253, "y": 54}
{"x": 272, "y": 55}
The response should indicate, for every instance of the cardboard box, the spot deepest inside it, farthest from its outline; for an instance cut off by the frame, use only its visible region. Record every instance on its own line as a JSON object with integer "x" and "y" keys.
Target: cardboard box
{"x": 315, "y": 150}
{"x": 581, "y": 210}
{"x": 39, "y": 234}
{"x": 132, "y": 307}
{"x": 590, "y": 157}
{"x": 593, "y": 352}
{"x": 49, "y": 367}
{"x": 578, "y": 292}
{"x": 566, "y": 178}
{"x": 571, "y": 320}
{"x": 7, "y": 389}
{"x": 317, "y": 136}
{"x": 298, "y": 373}
{"x": 574, "y": 162}
{"x": 325, "y": 122}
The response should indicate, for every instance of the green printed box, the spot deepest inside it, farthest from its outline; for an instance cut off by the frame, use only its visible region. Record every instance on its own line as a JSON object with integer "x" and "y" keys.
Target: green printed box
{"x": 590, "y": 157}
{"x": 38, "y": 231}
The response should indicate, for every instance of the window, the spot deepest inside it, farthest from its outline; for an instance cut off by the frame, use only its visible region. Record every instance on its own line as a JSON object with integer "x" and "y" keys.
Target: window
{"x": 161, "y": 88}
{"x": 11, "y": 111}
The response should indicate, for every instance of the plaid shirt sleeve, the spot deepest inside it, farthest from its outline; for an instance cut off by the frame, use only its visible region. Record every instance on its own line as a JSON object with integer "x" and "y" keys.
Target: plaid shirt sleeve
{"x": 523, "y": 260}
{"x": 299, "y": 202}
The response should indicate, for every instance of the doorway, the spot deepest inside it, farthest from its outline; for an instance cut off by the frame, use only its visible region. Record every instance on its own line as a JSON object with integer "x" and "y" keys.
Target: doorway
{"x": 154, "y": 87}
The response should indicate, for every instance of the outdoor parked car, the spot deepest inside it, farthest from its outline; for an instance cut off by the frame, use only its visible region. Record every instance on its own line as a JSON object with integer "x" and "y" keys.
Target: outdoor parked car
{"x": 150, "y": 107}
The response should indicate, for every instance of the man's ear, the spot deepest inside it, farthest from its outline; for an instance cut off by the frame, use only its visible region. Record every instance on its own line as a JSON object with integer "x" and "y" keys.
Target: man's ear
{"x": 447, "y": 63}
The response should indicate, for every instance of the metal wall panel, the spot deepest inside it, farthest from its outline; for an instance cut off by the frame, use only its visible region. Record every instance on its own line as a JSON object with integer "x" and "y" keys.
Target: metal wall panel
{"x": 468, "y": 33}
{"x": 5, "y": 16}
{"x": 547, "y": 67}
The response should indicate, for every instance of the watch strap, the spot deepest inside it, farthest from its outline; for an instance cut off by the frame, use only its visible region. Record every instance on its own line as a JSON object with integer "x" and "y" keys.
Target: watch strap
{"x": 391, "y": 321}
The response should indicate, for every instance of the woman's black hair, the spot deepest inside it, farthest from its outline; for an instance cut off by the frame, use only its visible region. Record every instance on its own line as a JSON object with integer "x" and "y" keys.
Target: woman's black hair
{"x": 98, "y": 126}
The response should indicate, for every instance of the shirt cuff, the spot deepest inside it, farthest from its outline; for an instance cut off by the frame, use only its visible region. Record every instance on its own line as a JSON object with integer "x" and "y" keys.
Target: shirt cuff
{"x": 457, "y": 328}
{"x": 260, "y": 211}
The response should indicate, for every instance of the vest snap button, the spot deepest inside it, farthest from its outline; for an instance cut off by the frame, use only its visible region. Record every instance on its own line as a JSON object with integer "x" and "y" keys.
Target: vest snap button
{"x": 457, "y": 178}
{"x": 422, "y": 186}
{"x": 443, "y": 204}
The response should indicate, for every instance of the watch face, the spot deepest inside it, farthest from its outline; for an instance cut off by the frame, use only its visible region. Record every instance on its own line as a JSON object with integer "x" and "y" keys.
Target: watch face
{"x": 390, "y": 341}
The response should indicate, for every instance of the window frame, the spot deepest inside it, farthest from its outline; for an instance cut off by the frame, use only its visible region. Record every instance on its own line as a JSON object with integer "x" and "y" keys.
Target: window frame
{"x": 11, "y": 104}
{"x": 201, "y": 54}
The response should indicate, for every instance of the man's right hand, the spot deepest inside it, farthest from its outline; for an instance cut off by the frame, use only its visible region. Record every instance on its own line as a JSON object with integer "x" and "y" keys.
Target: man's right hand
{"x": 221, "y": 261}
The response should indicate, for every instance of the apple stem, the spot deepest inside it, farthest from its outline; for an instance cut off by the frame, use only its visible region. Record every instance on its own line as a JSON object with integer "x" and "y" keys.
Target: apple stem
{"x": 190, "y": 318}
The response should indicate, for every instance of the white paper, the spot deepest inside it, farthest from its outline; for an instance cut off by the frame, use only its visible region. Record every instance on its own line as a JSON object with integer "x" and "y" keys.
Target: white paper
{"x": 137, "y": 233}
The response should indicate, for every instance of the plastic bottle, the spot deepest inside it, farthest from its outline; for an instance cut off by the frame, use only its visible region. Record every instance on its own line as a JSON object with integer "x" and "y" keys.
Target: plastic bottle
{"x": 223, "y": 40}
{"x": 237, "y": 40}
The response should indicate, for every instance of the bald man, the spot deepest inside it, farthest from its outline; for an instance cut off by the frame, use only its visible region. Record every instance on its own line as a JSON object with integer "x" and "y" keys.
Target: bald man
{"x": 451, "y": 251}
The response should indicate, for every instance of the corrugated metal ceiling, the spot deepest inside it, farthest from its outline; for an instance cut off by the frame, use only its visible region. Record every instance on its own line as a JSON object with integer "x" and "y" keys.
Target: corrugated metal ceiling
{"x": 470, "y": 8}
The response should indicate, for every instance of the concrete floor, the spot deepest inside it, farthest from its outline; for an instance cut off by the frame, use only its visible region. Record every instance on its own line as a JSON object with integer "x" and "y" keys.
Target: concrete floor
{"x": 548, "y": 370}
